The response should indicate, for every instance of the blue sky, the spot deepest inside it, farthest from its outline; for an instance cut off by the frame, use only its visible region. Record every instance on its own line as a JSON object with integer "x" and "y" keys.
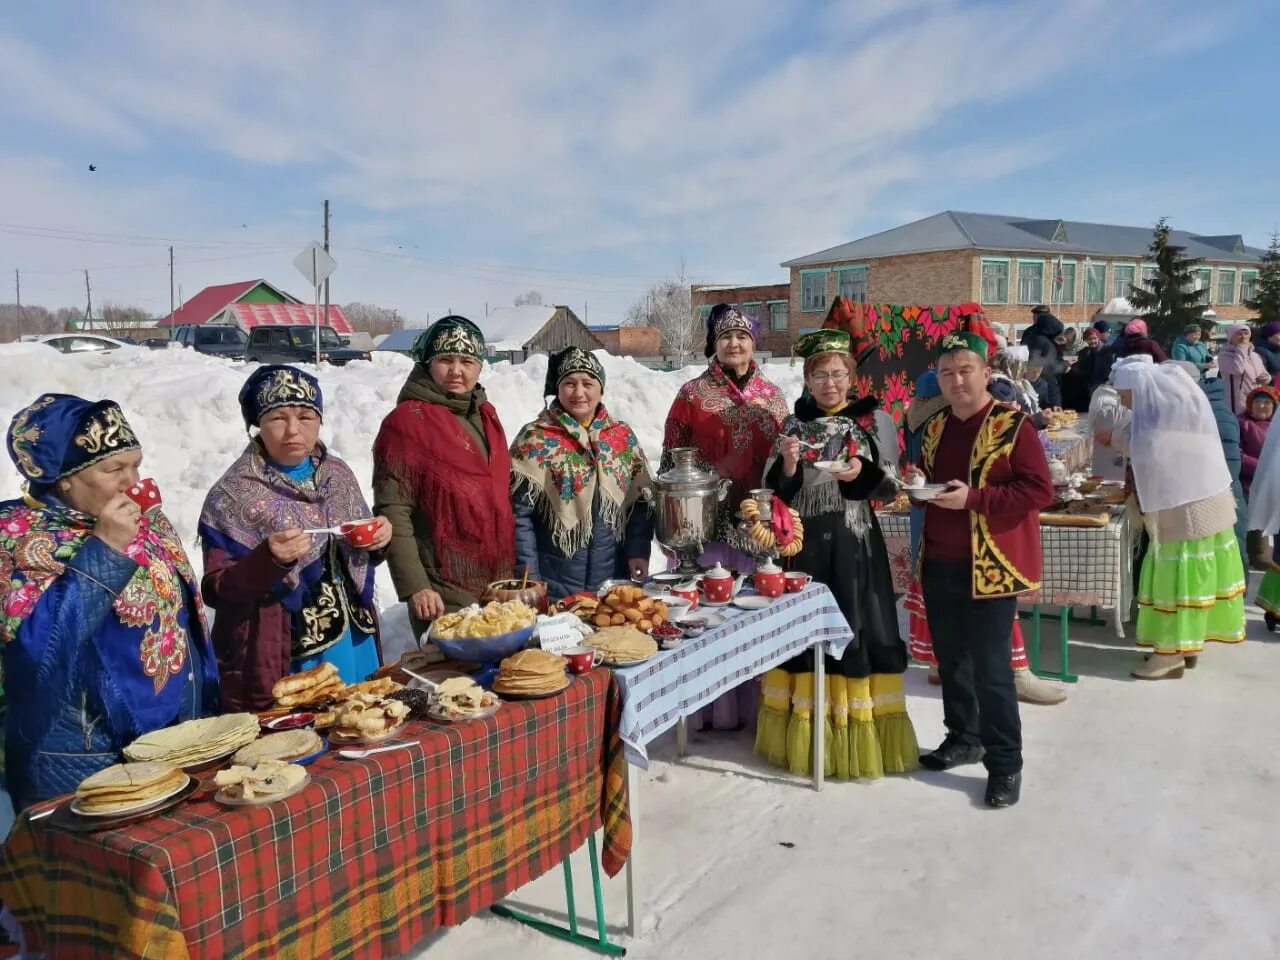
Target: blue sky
{"x": 473, "y": 151}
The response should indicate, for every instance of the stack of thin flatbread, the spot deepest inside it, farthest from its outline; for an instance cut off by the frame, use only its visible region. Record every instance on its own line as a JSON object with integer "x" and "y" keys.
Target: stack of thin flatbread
{"x": 622, "y": 644}
{"x": 286, "y": 745}
{"x": 460, "y": 697}
{"x": 317, "y": 685}
{"x": 264, "y": 780}
{"x": 196, "y": 741}
{"x": 531, "y": 673}
{"x": 128, "y": 786}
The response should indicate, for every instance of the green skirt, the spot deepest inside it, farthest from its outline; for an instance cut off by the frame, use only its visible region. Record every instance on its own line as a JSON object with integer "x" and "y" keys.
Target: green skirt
{"x": 1269, "y": 592}
{"x": 1189, "y": 592}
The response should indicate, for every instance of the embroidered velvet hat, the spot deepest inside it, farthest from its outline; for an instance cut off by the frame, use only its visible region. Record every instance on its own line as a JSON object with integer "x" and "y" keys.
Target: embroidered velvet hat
{"x": 963, "y": 340}
{"x": 277, "y": 385}
{"x": 60, "y": 434}
{"x": 567, "y": 361}
{"x": 451, "y": 336}
{"x": 724, "y": 318}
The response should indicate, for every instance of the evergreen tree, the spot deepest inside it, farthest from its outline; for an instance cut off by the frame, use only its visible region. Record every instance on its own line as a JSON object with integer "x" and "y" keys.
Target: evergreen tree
{"x": 1267, "y": 299}
{"x": 1170, "y": 301}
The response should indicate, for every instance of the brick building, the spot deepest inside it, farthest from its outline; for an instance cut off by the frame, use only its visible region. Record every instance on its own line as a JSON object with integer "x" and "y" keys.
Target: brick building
{"x": 770, "y": 303}
{"x": 1010, "y": 264}
{"x": 629, "y": 341}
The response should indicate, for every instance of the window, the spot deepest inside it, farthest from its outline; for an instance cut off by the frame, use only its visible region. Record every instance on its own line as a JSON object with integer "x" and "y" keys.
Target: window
{"x": 1095, "y": 283}
{"x": 853, "y": 283}
{"x": 1149, "y": 273}
{"x": 779, "y": 314}
{"x": 1030, "y": 281}
{"x": 813, "y": 290}
{"x": 1248, "y": 285}
{"x": 995, "y": 280}
{"x": 703, "y": 313}
{"x": 752, "y": 309}
{"x": 1226, "y": 286}
{"x": 1064, "y": 282}
{"x": 1204, "y": 284}
{"x": 1122, "y": 279}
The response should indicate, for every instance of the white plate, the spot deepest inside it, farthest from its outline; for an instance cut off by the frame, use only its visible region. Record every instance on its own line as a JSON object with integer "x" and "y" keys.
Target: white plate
{"x": 832, "y": 466}
{"x": 483, "y": 714}
{"x": 925, "y": 493}
{"x": 704, "y": 602}
{"x": 227, "y": 800}
{"x": 754, "y": 602}
{"x": 138, "y": 808}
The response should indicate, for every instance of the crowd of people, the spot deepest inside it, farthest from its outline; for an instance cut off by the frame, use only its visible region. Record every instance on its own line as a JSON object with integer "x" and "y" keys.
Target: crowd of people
{"x": 104, "y": 620}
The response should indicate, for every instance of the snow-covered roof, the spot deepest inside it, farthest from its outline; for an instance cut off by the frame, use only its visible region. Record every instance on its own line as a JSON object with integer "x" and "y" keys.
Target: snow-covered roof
{"x": 510, "y": 328}
{"x": 1119, "y": 307}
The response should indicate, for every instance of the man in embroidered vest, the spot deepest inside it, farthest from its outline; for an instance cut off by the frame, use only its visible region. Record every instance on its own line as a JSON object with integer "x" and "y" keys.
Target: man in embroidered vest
{"x": 980, "y": 550}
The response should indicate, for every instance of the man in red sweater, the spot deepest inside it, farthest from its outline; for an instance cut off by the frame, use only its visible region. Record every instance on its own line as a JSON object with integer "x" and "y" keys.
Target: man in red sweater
{"x": 980, "y": 551}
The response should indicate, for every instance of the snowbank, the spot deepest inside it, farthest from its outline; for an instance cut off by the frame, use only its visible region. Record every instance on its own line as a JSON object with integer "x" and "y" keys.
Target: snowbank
{"x": 183, "y": 406}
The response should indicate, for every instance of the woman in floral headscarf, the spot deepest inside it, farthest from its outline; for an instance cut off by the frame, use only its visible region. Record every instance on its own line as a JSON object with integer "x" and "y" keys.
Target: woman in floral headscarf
{"x": 731, "y": 413}
{"x": 287, "y": 600}
{"x": 580, "y": 485}
{"x": 102, "y": 627}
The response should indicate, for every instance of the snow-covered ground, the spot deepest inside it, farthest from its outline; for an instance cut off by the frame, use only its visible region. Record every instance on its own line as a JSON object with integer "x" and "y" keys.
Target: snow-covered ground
{"x": 1146, "y": 828}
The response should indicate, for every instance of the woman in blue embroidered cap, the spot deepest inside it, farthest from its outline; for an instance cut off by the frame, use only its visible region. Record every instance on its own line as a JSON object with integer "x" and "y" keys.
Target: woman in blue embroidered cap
{"x": 100, "y": 614}
{"x": 287, "y": 600}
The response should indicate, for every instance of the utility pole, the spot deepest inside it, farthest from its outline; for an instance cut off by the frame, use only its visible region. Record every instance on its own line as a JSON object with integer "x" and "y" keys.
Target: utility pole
{"x": 88, "y": 292}
{"x": 171, "y": 281}
{"x": 17, "y": 286}
{"x": 326, "y": 250}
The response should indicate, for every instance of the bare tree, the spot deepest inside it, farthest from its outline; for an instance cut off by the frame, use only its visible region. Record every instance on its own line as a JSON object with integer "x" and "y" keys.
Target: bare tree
{"x": 531, "y": 298}
{"x": 372, "y": 319}
{"x": 668, "y": 307}
{"x": 118, "y": 315}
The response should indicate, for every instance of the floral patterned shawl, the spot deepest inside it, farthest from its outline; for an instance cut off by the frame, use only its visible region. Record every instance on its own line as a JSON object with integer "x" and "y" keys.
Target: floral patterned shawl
{"x": 562, "y": 467}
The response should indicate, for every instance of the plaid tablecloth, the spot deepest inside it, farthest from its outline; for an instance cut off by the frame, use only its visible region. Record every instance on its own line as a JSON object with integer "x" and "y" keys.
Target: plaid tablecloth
{"x": 1083, "y": 566}
{"x": 1071, "y": 447}
{"x": 675, "y": 683}
{"x": 367, "y": 860}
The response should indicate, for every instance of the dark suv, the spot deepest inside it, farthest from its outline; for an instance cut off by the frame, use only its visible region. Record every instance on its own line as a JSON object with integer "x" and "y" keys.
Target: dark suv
{"x": 296, "y": 344}
{"x": 228, "y": 342}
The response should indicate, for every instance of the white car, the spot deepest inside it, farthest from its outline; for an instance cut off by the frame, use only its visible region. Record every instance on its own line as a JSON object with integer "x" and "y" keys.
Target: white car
{"x": 81, "y": 342}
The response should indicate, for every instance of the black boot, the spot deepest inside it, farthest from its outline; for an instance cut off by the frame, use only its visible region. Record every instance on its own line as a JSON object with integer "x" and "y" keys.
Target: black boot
{"x": 951, "y": 753}
{"x": 1003, "y": 789}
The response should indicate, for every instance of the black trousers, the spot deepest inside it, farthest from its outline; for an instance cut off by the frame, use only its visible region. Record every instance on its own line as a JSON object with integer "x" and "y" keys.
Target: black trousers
{"x": 972, "y": 642}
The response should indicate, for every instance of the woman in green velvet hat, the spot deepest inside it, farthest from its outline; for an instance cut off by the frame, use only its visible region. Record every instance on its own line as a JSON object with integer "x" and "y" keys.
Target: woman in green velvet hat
{"x": 867, "y": 722}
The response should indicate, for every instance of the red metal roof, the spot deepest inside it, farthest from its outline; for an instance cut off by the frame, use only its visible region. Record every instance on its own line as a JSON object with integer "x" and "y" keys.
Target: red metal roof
{"x": 250, "y": 315}
{"x": 208, "y": 303}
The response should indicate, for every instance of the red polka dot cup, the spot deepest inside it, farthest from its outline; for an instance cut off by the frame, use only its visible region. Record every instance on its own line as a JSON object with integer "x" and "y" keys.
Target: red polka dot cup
{"x": 145, "y": 494}
{"x": 797, "y": 581}
{"x": 360, "y": 533}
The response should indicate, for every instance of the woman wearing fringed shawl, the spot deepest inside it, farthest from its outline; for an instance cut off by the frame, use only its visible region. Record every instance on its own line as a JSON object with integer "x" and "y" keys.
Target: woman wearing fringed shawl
{"x": 580, "y": 485}
{"x": 100, "y": 614}
{"x": 731, "y": 413}
{"x": 442, "y": 476}
{"x": 287, "y": 600}
{"x": 869, "y": 729}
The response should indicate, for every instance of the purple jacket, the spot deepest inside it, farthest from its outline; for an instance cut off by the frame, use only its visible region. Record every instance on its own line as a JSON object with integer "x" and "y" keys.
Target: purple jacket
{"x": 1253, "y": 433}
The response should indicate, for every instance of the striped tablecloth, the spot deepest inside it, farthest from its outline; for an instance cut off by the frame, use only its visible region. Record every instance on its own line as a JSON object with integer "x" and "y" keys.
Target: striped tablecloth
{"x": 368, "y": 859}
{"x": 675, "y": 683}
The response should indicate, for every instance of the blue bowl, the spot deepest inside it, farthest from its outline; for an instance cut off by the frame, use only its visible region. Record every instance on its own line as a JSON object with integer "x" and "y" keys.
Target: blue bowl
{"x": 484, "y": 649}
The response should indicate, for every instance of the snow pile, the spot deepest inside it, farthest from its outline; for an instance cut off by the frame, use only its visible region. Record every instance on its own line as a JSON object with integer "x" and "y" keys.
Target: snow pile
{"x": 183, "y": 406}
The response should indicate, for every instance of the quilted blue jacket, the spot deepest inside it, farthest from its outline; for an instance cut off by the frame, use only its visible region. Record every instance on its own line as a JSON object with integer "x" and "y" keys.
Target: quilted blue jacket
{"x": 601, "y": 559}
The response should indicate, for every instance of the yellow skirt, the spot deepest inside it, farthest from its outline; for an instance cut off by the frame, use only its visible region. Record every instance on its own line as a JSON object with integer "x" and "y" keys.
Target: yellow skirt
{"x": 867, "y": 730}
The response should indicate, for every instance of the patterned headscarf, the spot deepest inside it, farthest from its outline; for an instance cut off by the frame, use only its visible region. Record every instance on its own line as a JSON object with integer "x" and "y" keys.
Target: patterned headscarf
{"x": 724, "y": 318}
{"x": 568, "y": 361}
{"x": 274, "y": 386}
{"x": 451, "y": 336}
{"x": 60, "y": 434}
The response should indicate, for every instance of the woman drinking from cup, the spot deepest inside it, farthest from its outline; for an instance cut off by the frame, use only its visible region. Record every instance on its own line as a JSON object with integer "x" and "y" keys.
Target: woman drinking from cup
{"x": 731, "y": 413}
{"x": 579, "y": 482}
{"x": 288, "y": 599}
{"x": 844, "y": 549}
{"x": 102, "y": 627}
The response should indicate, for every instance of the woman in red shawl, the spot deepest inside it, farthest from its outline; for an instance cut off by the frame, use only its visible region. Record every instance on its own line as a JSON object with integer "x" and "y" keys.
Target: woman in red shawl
{"x": 732, "y": 414}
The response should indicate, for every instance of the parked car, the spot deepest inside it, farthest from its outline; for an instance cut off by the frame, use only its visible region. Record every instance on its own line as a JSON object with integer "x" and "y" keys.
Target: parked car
{"x": 215, "y": 341}
{"x": 155, "y": 343}
{"x": 81, "y": 342}
{"x": 295, "y": 343}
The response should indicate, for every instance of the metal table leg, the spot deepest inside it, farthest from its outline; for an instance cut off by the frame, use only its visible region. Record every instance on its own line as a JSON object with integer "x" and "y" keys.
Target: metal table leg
{"x": 682, "y": 738}
{"x": 633, "y": 907}
{"x": 819, "y": 714}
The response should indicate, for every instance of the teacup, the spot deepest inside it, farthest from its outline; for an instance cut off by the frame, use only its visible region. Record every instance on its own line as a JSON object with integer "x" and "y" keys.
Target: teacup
{"x": 582, "y": 659}
{"x": 797, "y": 581}
{"x": 145, "y": 494}
{"x": 770, "y": 584}
{"x": 676, "y": 606}
{"x": 360, "y": 533}
{"x": 687, "y": 591}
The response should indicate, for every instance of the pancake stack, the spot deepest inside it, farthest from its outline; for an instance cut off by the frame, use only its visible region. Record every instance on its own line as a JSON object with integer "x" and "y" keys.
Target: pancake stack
{"x": 128, "y": 786}
{"x": 196, "y": 741}
{"x": 286, "y": 745}
{"x": 531, "y": 673}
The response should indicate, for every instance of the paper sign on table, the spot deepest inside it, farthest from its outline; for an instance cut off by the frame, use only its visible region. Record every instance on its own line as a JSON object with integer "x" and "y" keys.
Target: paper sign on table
{"x": 559, "y": 633}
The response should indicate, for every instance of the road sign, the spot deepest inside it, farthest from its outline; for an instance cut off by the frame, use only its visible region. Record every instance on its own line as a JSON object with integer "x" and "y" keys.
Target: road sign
{"x": 314, "y": 263}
